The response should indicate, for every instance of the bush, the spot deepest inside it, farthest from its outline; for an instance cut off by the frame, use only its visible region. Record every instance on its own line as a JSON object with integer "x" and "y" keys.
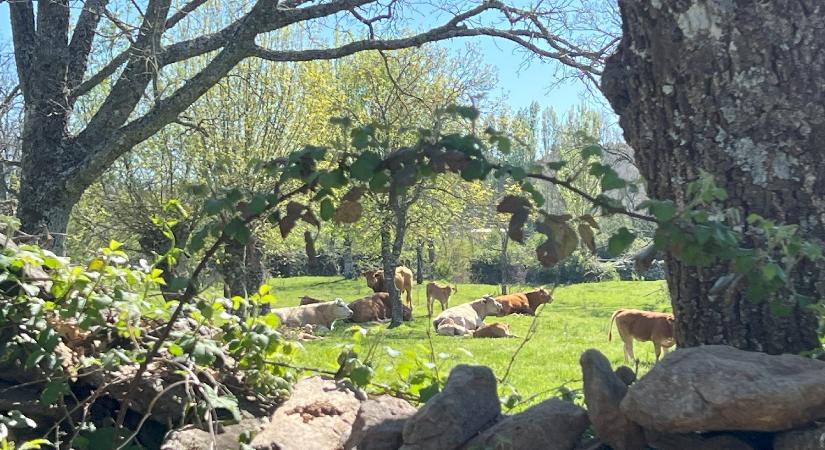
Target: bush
{"x": 577, "y": 268}
{"x": 627, "y": 270}
{"x": 488, "y": 271}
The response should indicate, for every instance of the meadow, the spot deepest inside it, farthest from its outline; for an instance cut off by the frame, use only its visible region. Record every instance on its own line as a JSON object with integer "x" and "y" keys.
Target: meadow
{"x": 577, "y": 319}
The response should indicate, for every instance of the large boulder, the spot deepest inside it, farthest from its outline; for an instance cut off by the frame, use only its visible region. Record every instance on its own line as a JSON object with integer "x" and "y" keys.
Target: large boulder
{"x": 717, "y": 388}
{"x": 379, "y": 424}
{"x": 225, "y": 437}
{"x": 318, "y": 416}
{"x": 603, "y": 392}
{"x": 467, "y": 404}
{"x": 809, "y": 438}
{"x": 691, "y": 441}
{"x": 551, "y": 425}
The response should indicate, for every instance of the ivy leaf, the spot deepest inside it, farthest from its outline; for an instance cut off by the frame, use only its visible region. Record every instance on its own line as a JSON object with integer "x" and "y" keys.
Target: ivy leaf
{"x": 238, "y": 230}
{"x": 662, "y": 210}
{"x": 53, "y": 391}
{"x": 475, "y": 170}
{"x": 611, "y": 180}
{"x": 516, "y": 227}
{"x": 586, "y": 235}
{"x": 379, "y": 182}
{"x": 364, "y": 167}
{"x": 513, "y": 204}
{"x": 428, "y": 392}
{"x": 556, "y": 165}
{"x": 327, "y": 209}
{"x": 348, "y": 212}
{"x": 361, "y": 376}
{"x": 620, "y": 242}
{"x": 591, "y": 150}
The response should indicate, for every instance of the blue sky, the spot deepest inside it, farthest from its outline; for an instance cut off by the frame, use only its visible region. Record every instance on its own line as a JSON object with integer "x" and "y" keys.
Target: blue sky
{"x": 519, "y": 82}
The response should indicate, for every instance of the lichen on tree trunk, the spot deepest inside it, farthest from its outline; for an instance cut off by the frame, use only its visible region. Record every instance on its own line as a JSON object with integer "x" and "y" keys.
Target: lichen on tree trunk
{"x": 734, "y": 88}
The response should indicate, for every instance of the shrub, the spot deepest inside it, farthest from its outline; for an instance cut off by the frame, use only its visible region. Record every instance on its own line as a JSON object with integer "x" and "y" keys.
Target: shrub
{"x": 577, "y": 268}
{"x": 488, "y": 271}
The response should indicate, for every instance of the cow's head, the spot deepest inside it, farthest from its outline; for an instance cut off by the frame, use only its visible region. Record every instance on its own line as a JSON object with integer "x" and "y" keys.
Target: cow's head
{"x": 340, "y": 310}
{"x": 372, "y": 280}
{"x": 539, "y": 297}
{"x": 490, "y": 306}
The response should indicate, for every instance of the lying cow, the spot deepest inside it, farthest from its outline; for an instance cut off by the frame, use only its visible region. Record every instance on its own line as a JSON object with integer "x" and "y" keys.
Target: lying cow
{"x": 524, "y": 302}
{"x": 318, "y": 314}
{"x": 493, "y": 330}
{"x": 307, "y": 300}
{"x": 375, "y": 308}
{"x": 467, "y": 317}
{"x": 403, "y": 281}
{"x": 440, "y": 293}
{"x": 643, "y": 326}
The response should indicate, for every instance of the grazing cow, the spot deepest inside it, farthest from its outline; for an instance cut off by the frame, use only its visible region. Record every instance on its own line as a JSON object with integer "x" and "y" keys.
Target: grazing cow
{"x": 643, "y": 326}
{"x": 440, "y": 293}
{"x": 307, "y": 300}
{"x": 469, "y": 316}
{"x": 493, "y": 330}
{"x": 524, "y": 302}
{"x": 318, "y": 314}
{"x": 375, "y": 308}
{"x": 403, "y": 281}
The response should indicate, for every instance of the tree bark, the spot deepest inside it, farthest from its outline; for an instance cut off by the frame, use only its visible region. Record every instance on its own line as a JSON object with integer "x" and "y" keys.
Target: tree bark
{"x": 504, "y": 264}
{"x": 734, "y": 88}
{"x": 242, "y": 268}
{"x": 389, "y": 265}
{"x": 312, "y": 254}
{"x": 348, "y": 266}
{"x": 419, "y": 262}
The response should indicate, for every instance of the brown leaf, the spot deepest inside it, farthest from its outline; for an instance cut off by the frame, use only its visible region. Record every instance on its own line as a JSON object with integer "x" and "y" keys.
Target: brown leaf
{"x": 586, "y": 235}
{"x": 590, "y": 221}
{"x": 516, "y": 228}
{"x": 347, "y": 212}
{"x": 561, "y": 241}
{"x": 547, "y": 253}
{"x": 309, "y": 217}
{"x": 565, "y": 237}
{"x": 559, "y": 218}
{"x": 513, "y": 204}
{"x": 294, "y": 211}
{"x": 455, "y": 160}
{"x": 354, "y": 194}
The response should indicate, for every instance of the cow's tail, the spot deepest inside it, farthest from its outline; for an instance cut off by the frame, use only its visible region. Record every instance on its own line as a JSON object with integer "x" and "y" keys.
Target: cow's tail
{"x": 610, "y": 329}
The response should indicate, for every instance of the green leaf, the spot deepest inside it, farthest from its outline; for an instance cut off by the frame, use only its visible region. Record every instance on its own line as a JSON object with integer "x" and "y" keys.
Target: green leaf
{"x": 611, "y": 180}
{"x": 591, "y": 150}
{"x": 556, "y": 165}
{"x": 361, "y": 376}
{"x": 238, "y": 230}
{"x": 662, "y": 210}
{"x": 619, "y": 242}
{"x": 362, "y": 136}
{"x": 475, "y": 170}
{"x": 257, "y": 205}
{"x": 428, "y": 392}
{"x": 53, "y": 391}
{"x": 467, "y": 112}
{"x": 379, "y": 182}
{"x": 327, "y": 209}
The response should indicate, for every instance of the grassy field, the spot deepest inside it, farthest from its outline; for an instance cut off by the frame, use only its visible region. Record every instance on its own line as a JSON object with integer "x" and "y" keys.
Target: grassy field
{"x": 577, "y": 320}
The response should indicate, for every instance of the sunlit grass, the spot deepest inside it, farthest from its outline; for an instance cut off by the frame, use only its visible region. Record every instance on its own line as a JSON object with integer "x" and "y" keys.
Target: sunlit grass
{"x": 577, "y": 320}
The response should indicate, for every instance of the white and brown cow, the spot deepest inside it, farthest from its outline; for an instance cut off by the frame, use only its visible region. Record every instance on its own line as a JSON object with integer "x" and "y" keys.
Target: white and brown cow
{"x": 643, "y": 326}
{"x": 463, "y": 319}
{"x": 316, "y": 314}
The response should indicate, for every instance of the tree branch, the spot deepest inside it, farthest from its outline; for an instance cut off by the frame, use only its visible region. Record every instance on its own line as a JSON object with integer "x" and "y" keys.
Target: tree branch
{"x": 82, "y": 38}
{"x": 21, "y": 14}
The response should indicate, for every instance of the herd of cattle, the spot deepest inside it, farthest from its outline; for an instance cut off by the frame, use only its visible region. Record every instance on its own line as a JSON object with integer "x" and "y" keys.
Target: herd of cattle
{"x": 467, "y": 319}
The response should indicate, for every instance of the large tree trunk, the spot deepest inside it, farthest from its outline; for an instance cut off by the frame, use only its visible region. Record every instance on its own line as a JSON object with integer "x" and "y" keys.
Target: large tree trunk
{"x": 312, "y": 254}
{"x": 348, "y": 268}
{"x": 243, "y": 269}
{"x": 734, "y": 88}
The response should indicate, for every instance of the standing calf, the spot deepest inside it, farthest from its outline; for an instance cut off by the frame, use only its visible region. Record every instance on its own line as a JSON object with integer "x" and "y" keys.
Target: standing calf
{"x": 644, "y": 326}
{"x": 440, "y": 293}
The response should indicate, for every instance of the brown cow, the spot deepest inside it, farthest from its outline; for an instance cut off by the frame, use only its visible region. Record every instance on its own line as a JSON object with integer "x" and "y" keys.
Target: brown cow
{"x": 375, "y": 308}
{"x": 307, "y": 300}
{"x": 403, "y": 281}
{"x": 493, "y": 330}
{"x": 644, "y": 326}
{"x": 524, "y": 302}
{"x": 440, "y": 293}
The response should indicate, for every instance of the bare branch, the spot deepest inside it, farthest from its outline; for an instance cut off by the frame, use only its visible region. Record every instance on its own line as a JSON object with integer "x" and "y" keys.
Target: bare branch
{"x": 22, "y": 26}
{"x": 82, "y": 39}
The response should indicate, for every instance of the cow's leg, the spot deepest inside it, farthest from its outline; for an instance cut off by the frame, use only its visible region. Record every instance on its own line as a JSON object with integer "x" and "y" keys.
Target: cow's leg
{"x": 430, "y": 306}
{"x": 657, "y": 349}
{"x": 445, "y": 304}
{"x": 628, "y": 349}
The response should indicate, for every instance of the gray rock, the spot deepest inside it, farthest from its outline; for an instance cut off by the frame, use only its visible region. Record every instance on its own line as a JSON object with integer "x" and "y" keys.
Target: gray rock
{"x": 380, "y": 424}
{"x": 226, "y": 437}
{"x": 718, "y": 388}
{"x": 318, "y": 416}
{"x": 692, "y": 441}
{"x": 810, "y": 438}
{"x": 467, "y": 404}
{"x": 551, "y": 425}
{"x": 603, "y": 392}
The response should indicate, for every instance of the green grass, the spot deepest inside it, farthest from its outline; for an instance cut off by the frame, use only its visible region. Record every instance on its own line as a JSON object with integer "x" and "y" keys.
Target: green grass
{"x": 577, "y": 320}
